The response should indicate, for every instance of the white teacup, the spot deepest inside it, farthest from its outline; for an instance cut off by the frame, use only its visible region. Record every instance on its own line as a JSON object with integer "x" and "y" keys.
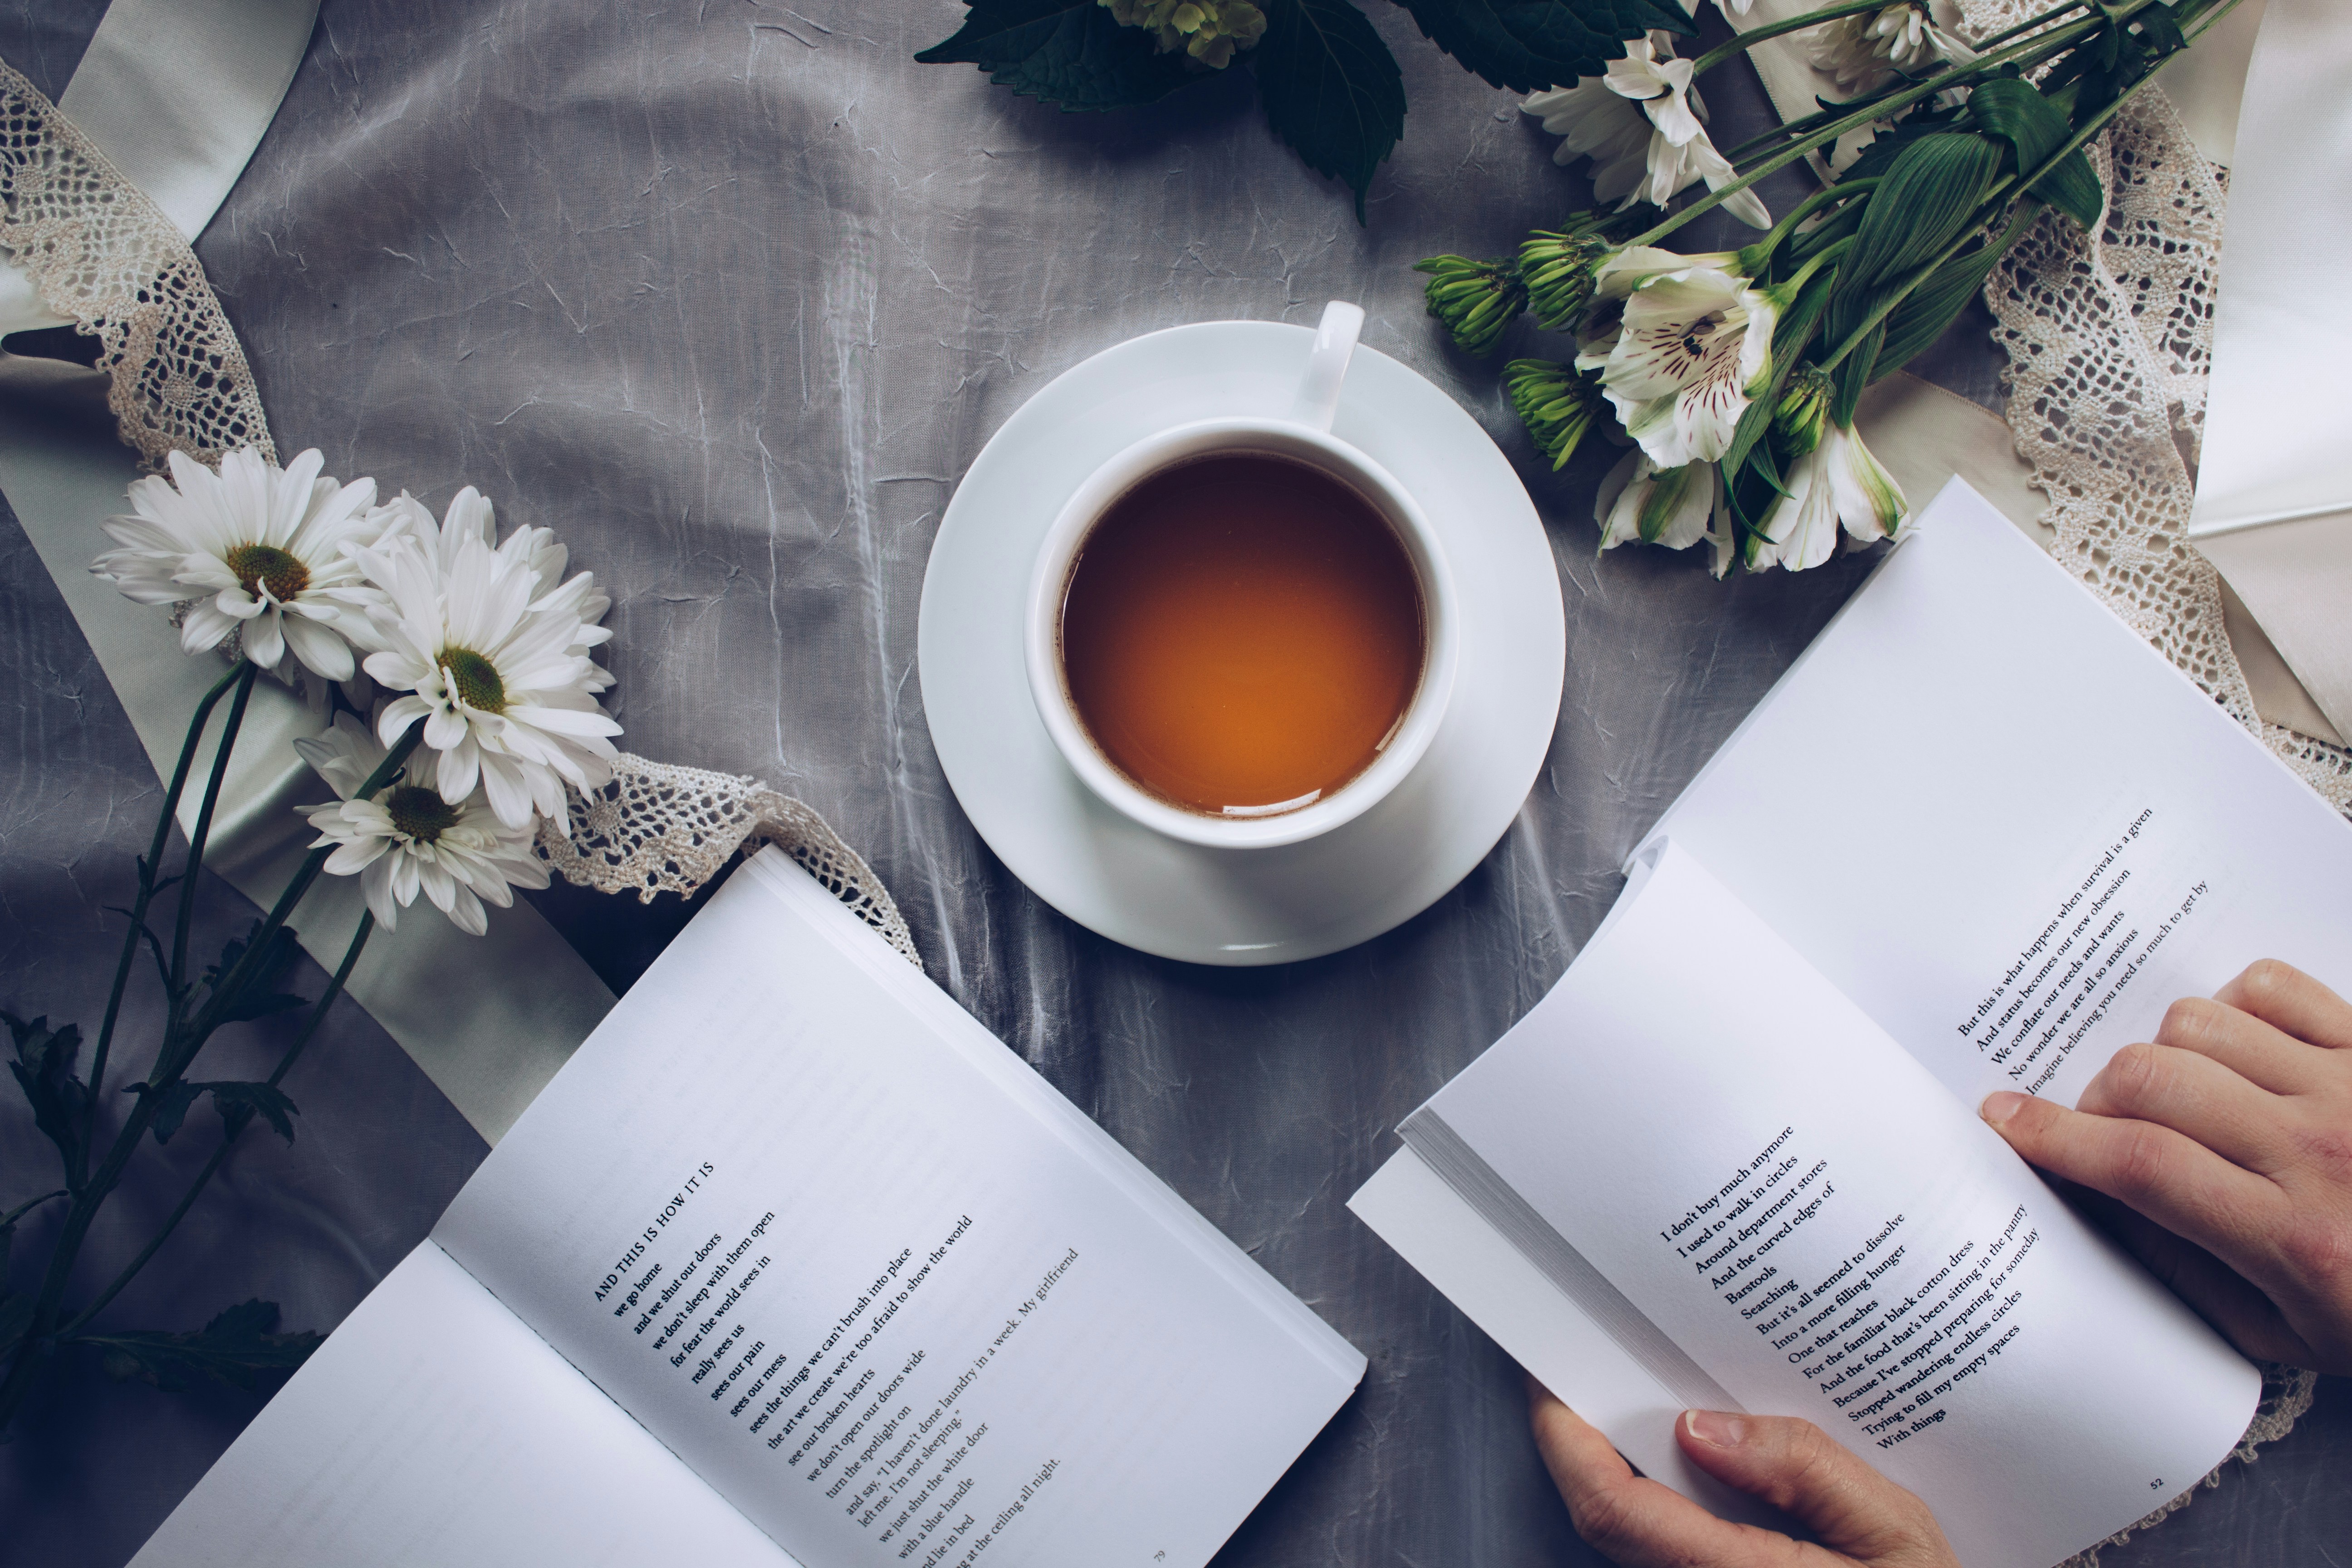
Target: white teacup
{"x": 1305, "y": 436}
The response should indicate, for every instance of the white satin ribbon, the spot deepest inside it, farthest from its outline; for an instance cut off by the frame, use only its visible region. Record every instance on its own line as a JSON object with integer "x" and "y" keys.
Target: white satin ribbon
{"x": 2274, "y": 490}
{"x": 176, "y": 93}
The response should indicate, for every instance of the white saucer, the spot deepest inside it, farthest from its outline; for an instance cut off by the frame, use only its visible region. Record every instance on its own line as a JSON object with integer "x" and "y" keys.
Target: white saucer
{"x": 1254, "y": 906}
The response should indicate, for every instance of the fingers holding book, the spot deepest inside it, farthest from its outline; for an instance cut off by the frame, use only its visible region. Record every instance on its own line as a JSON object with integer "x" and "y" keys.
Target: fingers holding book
{"x": 2229, "y": 1139}
{"x": 1855, "y": 1514}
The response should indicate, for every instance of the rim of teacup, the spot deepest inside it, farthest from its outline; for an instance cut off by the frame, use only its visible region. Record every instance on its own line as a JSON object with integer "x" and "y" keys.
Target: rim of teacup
{"x": 1049, "y": 583}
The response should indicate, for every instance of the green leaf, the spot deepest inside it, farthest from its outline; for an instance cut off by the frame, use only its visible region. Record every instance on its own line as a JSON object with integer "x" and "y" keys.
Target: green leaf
{"x": 1854, "y": 375}
{"x": 253, "y": 997}
{"x": 239, "y": 1347}
{"x": 1933, "y": 305}
{"x": 1072, "y": 53}
{"x": 1928, "y": 198}
{"x": 172, "y": 1105}
{"x": 1529, "y": 45}
{"x": 44, "y": 1070}
{"x": 1330, "y": 88}
{"x": 235, "y": 1102}
{"x": 2032, "y": 125}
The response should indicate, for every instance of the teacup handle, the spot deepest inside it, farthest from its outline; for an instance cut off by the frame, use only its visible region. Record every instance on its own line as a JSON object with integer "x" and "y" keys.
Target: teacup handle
{"x": 1326, "y": 365}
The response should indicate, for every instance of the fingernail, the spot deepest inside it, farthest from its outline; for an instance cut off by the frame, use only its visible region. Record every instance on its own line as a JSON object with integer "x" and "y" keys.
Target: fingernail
{"x": 1714, "y": 1428}
{"x": 2000, "y": 1106}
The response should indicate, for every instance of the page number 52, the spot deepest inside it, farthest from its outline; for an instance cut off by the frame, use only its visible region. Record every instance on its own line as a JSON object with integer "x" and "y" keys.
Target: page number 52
{"x": 2157, "y": 1485}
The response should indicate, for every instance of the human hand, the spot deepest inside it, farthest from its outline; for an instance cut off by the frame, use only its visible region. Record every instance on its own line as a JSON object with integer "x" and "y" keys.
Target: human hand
{"x": 1857, "y": 1516}
{"x": 2227, "y": 1145}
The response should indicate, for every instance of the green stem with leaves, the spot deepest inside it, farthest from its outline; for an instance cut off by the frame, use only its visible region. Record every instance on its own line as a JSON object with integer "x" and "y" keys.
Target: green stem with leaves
{"x": 234, "y": 1122}
{"x": 148, "y": 869}
{"x": 184, "y": 1038}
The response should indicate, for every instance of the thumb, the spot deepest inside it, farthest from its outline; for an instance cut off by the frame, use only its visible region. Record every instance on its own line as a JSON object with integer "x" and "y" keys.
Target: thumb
{"x": 1796, "y": 1467}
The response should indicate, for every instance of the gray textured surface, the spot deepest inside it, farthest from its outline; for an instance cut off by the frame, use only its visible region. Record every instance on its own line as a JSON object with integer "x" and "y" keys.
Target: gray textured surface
{"x": 729, "y": 294}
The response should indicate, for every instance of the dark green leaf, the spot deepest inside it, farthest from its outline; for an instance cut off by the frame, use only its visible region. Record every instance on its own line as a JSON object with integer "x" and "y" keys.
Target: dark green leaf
{"x": 1528, "y": 44}
{"x": 255, "y": 998}
{"x": 15, "y": 1317}
{"x": 1930, "y": 194}
{"x": 1933, "y": 305}
{"x": 235, "y": 1102}
{"x": 44, "y": 1070}
{"x": 2072, "y": 189}
{"x": 172, "y": 1105}
{"x": 1072, "y": 53}
{"x": 1330, "y": 88}
{"x": 2012, "y": 110}
{"x": 238, "y": 1348}
{"x": 1854, "y": 375}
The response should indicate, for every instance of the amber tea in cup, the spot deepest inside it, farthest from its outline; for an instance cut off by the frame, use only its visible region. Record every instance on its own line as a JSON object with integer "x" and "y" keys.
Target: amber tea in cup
{"x": 1241, "y": 634}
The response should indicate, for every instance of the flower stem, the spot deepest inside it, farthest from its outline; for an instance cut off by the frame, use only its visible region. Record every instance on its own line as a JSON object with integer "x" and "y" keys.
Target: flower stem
{"x": 1755, "y": 255}
{"x": 189, "y": 868}
{"x": 28, "y": 1205}
{"x": 184, "y": 1038}
{"x": 147, "y": 873}
{"x": 233, "y": 1127}
{"x": 231, "y": 983}
{"x": 2069, "y": 35}
{"x": 1747, "y": 38}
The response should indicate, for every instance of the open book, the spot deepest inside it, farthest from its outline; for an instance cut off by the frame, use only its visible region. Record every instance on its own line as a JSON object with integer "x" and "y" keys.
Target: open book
{"x": 1980, "y": 837}
{"x": 792, "y": 1262}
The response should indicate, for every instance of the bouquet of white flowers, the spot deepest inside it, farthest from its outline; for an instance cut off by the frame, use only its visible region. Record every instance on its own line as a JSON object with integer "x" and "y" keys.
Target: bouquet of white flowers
{"x": 1734, "y": 374}
{"x": 454, "y": 669}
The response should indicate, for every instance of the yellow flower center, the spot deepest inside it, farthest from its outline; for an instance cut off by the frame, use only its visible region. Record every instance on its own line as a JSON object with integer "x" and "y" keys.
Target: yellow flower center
{"x": 476, "y": 680}
{"x": 420, "y": 812}
{"x": 259, "y": 566}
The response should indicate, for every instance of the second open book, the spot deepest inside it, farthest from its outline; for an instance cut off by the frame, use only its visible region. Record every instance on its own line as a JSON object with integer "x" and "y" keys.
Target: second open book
{"x": 1978, "y": 838}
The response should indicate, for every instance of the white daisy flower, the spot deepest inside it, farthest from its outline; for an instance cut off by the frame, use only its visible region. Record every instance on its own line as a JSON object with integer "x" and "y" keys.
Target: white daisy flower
{"x": 497, "y": 670}
{"x": 471, "y": 516}
{"x": 1838, "y": 482}
{"x": 1692, "y": 344}
{"x": 1867, "y": 50}
{"x": 260, "y": 551}
{"x": 407, "y": 838}
{"x": 1644, "y": 126}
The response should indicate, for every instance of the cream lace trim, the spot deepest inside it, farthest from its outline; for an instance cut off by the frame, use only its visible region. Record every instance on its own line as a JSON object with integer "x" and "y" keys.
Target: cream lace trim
{"x": 658, "y": 828}
{"x": 102, "y": 254}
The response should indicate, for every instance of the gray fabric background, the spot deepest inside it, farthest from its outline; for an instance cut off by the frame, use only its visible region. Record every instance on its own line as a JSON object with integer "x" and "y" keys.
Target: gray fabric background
{"x": 729, "y": 294}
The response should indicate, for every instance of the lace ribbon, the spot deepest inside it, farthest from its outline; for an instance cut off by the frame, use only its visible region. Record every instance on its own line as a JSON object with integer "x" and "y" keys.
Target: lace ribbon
{"x": 100, "y": 253}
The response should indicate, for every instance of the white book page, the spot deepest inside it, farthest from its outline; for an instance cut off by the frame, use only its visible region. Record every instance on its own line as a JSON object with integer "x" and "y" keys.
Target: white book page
{"x": 1455, "y": 1247}
{"x": 858, "y": 1265}
{"x": 434, "y": 1428}
{"x": 1803, "y": 1212}
{"x": 2006, "y": 826}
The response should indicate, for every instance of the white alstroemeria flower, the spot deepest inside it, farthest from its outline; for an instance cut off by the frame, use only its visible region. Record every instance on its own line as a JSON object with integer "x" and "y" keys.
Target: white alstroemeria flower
{"x": 1838, "y": 482}
{"x": 261, "y": 549}
{"x": 1640, "y": 504}
{"x": 1597, "y": 123}
{"x": 1692, "y": 344}
{"x": 1870, "y": 48}
{"x": 498, "y": 676}
{"x": 407, "y": 838}
{"x": 1644, "y": 126}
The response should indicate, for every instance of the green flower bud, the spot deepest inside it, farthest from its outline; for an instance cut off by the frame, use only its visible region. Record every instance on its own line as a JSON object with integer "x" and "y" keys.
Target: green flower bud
{"x": 1802, "y": 415}
{"x": 1476, "y": 299}
{"x": 1208, "y": 30}
{"x": 1557, "y": 268}
{"x": 1556, "y": 404}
